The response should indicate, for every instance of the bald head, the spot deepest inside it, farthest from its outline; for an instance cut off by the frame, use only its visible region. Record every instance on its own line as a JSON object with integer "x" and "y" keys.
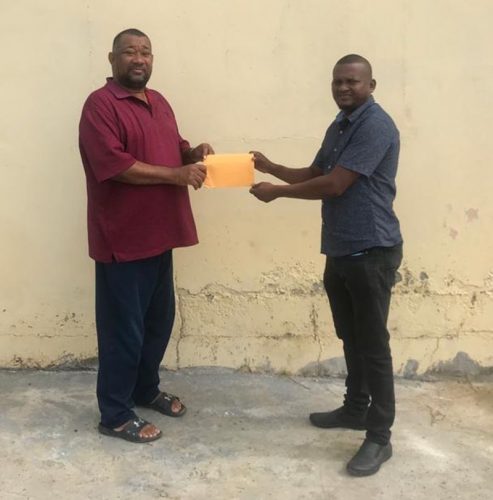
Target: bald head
{"x": 356, "y": 59}
{"x": 129, "y": 31}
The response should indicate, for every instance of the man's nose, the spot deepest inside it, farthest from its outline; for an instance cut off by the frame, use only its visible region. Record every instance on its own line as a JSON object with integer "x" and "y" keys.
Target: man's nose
{"x": 138, "y": 58}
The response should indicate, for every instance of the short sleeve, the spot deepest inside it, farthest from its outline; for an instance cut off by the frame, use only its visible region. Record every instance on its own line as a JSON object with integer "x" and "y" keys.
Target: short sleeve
{"x": 100, "y": 142}
{"x": 317, "y": 161}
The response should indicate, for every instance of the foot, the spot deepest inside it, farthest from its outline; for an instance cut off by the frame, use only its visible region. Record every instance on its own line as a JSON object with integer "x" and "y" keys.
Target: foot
{"x": 338, "y": 418}
{"x": 369, "y": 458}
{"x": 148, "y": 431}
{"x": 167, "y": 404}
{"x": 176, "y": 404}
{"x": 136, "y": 430}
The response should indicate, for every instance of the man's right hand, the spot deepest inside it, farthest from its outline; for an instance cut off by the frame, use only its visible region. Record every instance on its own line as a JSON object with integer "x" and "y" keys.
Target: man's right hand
{"x": 262, "y": 163}
{"x": 191, "y": 175}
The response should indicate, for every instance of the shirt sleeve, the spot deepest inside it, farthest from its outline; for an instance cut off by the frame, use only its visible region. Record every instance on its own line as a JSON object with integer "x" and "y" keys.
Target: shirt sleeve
{"x": 367, "y": 147}
{"x": 99, "y": 138}
{"x": 317, "y": 161}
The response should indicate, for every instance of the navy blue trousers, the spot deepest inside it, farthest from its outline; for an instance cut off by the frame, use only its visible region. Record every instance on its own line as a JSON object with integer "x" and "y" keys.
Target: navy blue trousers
{"x": 359, "y": 290}
{"x": 135, "y": 311}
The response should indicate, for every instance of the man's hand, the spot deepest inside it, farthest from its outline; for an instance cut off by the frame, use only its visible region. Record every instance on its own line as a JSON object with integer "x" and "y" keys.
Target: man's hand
{"x": 265, "y": 191}
{"x": 191, "y": 175}
{"x": 198, "y": 153}
{"x": 262, "y": 163}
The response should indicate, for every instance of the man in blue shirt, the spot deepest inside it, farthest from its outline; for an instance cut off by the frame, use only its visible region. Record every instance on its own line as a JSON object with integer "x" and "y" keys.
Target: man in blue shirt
{"x": 353, "y": 174}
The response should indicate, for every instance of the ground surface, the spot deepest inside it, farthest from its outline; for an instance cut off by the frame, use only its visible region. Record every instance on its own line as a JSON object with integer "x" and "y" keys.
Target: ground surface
{"x": 245, "y": 436}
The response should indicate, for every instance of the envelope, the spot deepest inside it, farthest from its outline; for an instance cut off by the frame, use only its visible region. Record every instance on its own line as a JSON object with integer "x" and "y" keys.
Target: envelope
{"x": 235, "y": 170}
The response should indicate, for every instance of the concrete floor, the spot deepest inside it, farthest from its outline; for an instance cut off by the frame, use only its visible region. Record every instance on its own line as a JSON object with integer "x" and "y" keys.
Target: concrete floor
{"x": 244, "y": 437}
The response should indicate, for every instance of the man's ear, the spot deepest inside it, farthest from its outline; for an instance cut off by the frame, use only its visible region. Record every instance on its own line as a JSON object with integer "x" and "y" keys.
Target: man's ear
{"x": 373, "y": 84}
{"x": 111, "y": 57}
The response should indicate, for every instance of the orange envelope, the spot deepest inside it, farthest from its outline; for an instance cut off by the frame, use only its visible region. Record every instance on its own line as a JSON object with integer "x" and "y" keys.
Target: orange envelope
{"x": 229, "y": 170}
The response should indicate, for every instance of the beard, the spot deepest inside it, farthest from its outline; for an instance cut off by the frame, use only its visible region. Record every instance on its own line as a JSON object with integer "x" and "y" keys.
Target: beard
{"x": 135, "y": 82}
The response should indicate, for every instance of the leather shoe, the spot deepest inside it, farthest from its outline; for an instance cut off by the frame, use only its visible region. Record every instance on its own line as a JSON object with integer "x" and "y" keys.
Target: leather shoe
{"x": 369, "y": 458}
{"x": 338, "y": 418}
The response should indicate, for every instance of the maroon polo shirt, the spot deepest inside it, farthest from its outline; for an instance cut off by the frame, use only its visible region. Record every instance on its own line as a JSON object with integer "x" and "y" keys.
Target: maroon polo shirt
{"x": 125, "y": 221}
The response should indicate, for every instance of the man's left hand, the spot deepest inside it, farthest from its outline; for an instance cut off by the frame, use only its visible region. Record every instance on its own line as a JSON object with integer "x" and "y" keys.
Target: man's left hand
{"x": 198, "y": 153}
{"x": 265, "y": 191}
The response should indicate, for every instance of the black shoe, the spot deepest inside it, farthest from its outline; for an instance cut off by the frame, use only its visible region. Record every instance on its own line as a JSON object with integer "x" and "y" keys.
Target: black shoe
{"x": 338, "y": 418}
{"x": 369, "y": 458}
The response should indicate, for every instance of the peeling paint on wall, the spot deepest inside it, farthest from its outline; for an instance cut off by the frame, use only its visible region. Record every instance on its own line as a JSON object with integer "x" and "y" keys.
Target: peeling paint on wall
{"x": 284, "y": 325}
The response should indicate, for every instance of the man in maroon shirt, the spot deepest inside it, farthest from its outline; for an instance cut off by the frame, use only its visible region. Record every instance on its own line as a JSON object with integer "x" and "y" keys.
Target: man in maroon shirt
{"x": 138, "y": 169}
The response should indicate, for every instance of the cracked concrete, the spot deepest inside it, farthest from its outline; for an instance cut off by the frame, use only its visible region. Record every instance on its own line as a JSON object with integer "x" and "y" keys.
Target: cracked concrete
{"x": 245, "y": 436}
{"x": 280, "y": 321}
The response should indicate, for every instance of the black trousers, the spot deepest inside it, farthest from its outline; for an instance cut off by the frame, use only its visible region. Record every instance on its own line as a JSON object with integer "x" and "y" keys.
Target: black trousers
{"x": 359, "y": 290}
{"x": 135, "y": 311}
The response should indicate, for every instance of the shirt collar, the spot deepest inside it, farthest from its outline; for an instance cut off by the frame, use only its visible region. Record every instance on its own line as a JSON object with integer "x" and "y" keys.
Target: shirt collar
{"x": 356, "y": 113}
{"x": 118, "y": 91}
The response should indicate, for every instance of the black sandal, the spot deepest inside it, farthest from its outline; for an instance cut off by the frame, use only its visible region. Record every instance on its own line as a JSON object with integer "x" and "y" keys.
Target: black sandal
{"x": 164, "y": 404}
{"x": 130, "y": 431}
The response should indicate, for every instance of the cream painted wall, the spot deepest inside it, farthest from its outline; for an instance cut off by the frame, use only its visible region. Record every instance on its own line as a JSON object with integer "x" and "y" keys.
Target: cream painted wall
{"x": 252, "y": 75}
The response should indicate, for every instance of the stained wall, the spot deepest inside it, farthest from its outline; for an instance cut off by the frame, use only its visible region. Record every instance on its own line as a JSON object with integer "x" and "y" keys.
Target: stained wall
{"x": 242, "y": 76}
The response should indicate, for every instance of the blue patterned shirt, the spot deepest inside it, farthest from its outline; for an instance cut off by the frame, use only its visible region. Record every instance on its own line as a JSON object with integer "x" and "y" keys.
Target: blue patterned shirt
{"x": 366, "y": 142}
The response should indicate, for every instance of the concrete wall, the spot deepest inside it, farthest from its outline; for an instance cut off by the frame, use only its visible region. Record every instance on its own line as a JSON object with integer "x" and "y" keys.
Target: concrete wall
{"x": 253, "y": 75}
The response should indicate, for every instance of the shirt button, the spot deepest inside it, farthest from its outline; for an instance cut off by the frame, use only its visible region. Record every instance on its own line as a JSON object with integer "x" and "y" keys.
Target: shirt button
{"x": 340, "y": 131}
{"x": 335, "y": 149}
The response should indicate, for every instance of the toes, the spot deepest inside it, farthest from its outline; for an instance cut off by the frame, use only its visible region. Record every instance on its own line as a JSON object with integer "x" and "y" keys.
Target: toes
{"x": 149, "y": 431}
{"x": 176, "y": 407}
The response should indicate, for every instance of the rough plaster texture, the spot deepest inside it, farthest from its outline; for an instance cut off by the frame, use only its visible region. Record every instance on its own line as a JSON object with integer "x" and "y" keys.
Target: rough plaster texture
{"x": 253, "y": 75}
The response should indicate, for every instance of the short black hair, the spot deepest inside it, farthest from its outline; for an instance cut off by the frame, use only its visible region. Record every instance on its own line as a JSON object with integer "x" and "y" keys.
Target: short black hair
{"x": 129, "y": 31}
{"x": 355, "y": 58}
